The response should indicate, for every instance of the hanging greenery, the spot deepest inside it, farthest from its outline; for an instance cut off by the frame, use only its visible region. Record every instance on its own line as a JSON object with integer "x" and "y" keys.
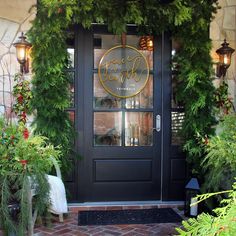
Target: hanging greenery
{"x": 188, "y": 20}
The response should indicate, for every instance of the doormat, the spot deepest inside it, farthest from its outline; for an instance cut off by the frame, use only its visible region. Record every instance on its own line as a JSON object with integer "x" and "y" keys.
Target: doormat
{"x": 140, "y": 216}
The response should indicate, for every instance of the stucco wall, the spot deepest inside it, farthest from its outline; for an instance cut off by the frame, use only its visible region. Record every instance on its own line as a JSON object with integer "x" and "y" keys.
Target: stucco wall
{"x": 16, "y": 15}
{"x": 224, "y": 27}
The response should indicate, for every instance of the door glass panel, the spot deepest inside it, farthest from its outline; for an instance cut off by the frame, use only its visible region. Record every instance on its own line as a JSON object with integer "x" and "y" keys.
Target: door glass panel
{"x": 70, "y": 42}
{"x": 142, "y": 100}
{"x": 71, "y": 77}
{"x": 71, "y": 57}
{"x": 102, "y": 99}
{"x": 122, "y": 121}
{"x": 107, "y": 128}
{"x": 72, "y": 116}
{"x": 104, "y": 42}
{"x": 138, "y": 128}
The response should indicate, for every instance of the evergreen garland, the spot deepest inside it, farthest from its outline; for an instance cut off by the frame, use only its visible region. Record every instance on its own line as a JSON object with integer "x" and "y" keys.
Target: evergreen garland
{"x": 188, "y": 20}
{"x": 196, "y": 90}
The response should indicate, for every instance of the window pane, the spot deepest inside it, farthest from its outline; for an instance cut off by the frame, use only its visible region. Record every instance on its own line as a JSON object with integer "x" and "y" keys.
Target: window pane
{"x": 102, "y": 99}
{"x": 142, "y": 100}
{"x": 138, "y": 129}
{"x": 72, "y": 116}
{"x": 107, "y": 128}
{"x": 71, "y": 61}
{"x": 177, "y": 119}
{"x": 71, "y": 78}
{"x": 70, "y": 41}
{"x": 104, "y": 42}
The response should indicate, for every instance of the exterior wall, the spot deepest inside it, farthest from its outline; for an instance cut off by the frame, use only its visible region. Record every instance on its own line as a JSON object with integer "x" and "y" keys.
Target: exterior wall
{"x": 224, "y": 27}
{"x": 15, "y": 17}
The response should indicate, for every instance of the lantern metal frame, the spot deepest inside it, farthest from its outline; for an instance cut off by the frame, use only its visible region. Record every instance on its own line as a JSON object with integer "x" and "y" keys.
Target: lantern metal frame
{"x": 192, "y": 189}
{"x": 225, "y": 52}
{"x": 22, "y": 52}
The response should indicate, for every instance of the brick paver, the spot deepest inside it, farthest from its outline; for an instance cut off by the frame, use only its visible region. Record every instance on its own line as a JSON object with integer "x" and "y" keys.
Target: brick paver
{"x": 70, "y": 228}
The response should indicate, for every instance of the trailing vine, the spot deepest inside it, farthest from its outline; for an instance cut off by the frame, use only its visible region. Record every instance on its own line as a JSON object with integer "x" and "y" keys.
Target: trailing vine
{"x": 188, "y": 20}
{"x": 223, "y": 102}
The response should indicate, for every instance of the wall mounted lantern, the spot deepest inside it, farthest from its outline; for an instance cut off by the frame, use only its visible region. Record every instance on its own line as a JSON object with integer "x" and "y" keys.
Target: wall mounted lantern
{"x": 224, "y": 53}
{"x": 22, "y": 53}
{"x": 191, "y": 191}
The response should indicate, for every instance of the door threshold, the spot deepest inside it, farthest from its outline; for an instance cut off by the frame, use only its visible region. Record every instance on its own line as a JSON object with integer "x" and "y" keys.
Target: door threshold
{"x": 124, "y": 205}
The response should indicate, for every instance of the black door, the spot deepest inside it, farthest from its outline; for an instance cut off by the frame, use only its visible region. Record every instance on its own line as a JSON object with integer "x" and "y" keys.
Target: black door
{"x": 118, "y": 138}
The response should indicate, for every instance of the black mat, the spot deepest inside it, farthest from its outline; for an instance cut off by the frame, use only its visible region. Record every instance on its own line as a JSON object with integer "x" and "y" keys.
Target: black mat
{"x": 143, "y": 216}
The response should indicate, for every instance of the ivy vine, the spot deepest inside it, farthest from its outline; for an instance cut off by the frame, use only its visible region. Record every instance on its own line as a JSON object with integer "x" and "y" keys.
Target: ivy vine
{"x": 188, "y": 20}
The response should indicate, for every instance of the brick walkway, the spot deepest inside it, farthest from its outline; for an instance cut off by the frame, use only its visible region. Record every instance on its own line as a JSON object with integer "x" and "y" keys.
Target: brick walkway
{"x": 70, "y": 227}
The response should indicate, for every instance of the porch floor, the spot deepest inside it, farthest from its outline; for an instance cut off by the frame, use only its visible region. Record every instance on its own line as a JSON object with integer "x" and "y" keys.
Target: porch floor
{"x": 70, "y": 225}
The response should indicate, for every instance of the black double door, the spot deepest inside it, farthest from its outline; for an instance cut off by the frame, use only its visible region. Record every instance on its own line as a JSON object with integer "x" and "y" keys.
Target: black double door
{"x": 120, "y": 140}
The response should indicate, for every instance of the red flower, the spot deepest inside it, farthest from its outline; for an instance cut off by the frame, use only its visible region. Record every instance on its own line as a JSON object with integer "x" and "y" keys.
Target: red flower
{"x": 23, "y": 115}
{"x": 20, "y": 99}
{"x": 26, "y": 133}
{"x": 23, "y": 162}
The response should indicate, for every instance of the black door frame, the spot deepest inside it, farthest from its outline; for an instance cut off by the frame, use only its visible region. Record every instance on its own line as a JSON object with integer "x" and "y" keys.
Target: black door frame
{"x": 163, "y": 60}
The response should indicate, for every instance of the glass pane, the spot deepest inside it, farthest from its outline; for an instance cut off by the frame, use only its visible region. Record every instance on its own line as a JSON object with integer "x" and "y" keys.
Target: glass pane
{"x": 138, "y": 129}
{"x": 142, "y": 100}
{"x": 177, "y": 119}
{"x": 102, "y": 99}
{"x": 107, "y": 128}
{"x": 175, "y": 82}
{"x": 104, "y": 42}
{"x": 71, "y": 61}
{"x": 71, "y": 78}
{"x": 70, "y": 41}
{"x": 72, "y": 116}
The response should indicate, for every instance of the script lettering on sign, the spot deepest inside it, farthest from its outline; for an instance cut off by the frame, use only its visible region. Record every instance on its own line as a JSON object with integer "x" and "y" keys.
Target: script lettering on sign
{"x": 123, "y": 71}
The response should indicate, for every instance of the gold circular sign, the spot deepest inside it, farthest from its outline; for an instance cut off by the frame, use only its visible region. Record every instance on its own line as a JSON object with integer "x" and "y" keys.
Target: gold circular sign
{"x": 123, "y": 71}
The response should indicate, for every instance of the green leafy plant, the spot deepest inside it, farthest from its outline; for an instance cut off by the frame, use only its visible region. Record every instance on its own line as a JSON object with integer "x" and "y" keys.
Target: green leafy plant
{"x": 188, "y": 21}
{"x": 23, "y": 95}
{"x": 219, "y": 164}
{"x": 224, "y": 103}
{"x": 24, "y": 161}
{"x": 223, "y": 223}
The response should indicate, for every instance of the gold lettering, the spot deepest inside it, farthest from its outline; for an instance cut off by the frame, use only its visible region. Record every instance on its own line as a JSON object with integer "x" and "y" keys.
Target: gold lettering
{"x": 123, "y": 69}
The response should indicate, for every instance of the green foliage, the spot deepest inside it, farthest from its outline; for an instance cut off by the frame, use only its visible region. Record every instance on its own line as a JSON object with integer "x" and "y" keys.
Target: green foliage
{"x": 220, "y": 162}
{"x": 50, "y": 96}
{"x": 224, "y": 104}
{"x": 223, "y": 223}
{"x": 24, "y": 162}
{"x": 188, "y": 21}
{"x": 23, "y": 95}
{"x": 195, "y": 89}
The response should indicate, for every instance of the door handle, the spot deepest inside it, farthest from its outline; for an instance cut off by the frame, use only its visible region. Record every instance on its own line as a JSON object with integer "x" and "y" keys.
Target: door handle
{"x": 158, "y": 123}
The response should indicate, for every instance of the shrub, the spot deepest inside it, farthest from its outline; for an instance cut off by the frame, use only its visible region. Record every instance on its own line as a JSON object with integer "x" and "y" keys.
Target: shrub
{"x": 220, "y": 161}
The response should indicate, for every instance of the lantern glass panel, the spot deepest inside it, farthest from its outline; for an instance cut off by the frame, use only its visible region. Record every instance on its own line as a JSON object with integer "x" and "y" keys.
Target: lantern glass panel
{"x": 189, "y": 194}
{"x": 21, "y": 53}
{"x": 225, "y": 59}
